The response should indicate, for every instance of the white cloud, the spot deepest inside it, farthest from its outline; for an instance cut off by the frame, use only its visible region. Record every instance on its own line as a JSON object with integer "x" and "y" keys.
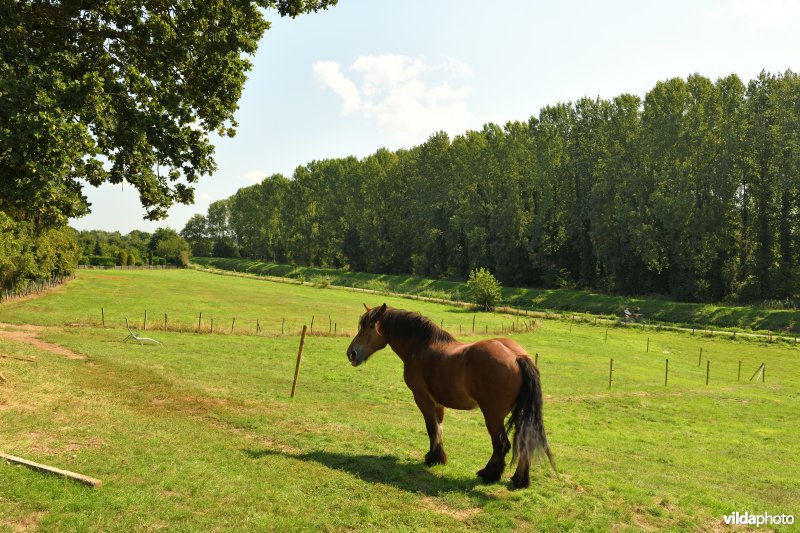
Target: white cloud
{"x": 328, "y": 73}
{"x": 253, "y": 176}
{"x": 408, "y": 97}
{"x": 763, "y": 14}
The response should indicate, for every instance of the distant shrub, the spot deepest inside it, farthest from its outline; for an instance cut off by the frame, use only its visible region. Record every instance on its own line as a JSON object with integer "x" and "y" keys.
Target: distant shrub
{"x": 419, "y": 264}
{"x": 433, "y": 293}
{"x": 377, "y": 285}
{"x": 101, "y": 260}
{"x": 320, "y": 281}
{"x": 484, "y": 289}
{"x": 122, "y": 258}
{"x": 557, "y": 278}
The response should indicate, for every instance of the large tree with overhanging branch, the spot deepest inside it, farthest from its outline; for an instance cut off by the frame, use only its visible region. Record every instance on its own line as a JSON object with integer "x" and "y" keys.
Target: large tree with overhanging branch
{"x": 119, "y": 91}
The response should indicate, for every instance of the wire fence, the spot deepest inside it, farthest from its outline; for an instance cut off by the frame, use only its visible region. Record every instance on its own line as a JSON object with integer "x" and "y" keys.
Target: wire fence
{"x": 33, "y": 287}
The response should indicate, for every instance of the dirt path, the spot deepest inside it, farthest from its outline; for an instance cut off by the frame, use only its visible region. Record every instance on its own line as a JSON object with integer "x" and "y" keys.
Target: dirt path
{"x": 28, "y": 334}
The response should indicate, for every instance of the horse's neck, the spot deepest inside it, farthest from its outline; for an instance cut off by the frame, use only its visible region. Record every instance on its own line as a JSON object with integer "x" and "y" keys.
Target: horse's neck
{"x": 406, "y": 349}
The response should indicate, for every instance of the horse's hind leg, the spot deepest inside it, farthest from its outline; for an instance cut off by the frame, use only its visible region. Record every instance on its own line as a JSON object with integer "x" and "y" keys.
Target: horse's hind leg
{"x": 434, "y": 415}
{"x": 500, "y": 447}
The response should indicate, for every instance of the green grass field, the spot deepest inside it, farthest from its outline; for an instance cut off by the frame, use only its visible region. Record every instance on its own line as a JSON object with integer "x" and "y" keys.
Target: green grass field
{"x": 657, "y": 310}
{"x": 201, "y": 433}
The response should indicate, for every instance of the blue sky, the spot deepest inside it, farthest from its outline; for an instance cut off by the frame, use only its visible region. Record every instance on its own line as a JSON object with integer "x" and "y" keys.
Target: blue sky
{"x": 368, "y": 74}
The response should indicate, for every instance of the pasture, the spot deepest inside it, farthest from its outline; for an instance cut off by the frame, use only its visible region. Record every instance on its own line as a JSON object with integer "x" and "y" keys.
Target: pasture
{"x": 201, "y": 433}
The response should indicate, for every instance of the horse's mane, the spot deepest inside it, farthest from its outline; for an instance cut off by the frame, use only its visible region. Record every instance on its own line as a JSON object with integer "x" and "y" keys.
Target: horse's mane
{"x": 410, "y": 324}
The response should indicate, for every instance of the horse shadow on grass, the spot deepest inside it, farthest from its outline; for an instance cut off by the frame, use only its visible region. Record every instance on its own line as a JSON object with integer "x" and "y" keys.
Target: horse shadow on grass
{"x": 387, "y": 470}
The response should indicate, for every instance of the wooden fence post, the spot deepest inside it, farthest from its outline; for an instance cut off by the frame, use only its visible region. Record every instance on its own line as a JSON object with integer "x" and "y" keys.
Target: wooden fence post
{"x": 699, "y": 357}
{"x": 199, "y": 320}
{"x": 103, "y": 315}
{"x": 666, "y": 372}
{"x": 648, "y": 344}
{"x": 299, "y": 358}
{"x": 258, "y": 326}
{"x": 144, "y": 327}
{"x": 739, "y": 375}
{"x": 165, "y": 321}
{"x": 610, "y": 372}
{"x": 473, "y": 323}
{"x": 606, "y": 334}
{"x": 232, "y": 323}
{"x": 312, "y": 324}
{"x": 283, "y": 323}
{"x": 212, "y": 325}
{"x": 536, "y": 361}
{"x": 708, "y": 369}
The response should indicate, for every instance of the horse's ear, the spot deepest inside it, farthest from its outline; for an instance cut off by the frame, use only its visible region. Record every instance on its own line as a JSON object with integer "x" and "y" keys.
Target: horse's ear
{"x": 380, "y": 312}
{"x": 368, "y": 308}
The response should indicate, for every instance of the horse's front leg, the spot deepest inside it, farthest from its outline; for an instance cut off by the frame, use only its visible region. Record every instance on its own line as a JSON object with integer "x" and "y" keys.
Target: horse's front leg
{"x": 434, "y": 415}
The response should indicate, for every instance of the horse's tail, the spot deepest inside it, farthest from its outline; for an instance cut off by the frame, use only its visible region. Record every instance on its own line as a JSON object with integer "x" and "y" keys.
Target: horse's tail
{"x": 526, "y": 419}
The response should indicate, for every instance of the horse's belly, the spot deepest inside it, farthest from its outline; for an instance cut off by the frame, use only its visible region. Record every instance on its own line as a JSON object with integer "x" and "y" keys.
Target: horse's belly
{"x": 462, "y": 404}
{"x": 454, "y": 399}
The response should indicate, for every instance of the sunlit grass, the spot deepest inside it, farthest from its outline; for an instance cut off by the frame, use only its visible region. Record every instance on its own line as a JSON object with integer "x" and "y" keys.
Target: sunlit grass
{"x": 201, "y": 433}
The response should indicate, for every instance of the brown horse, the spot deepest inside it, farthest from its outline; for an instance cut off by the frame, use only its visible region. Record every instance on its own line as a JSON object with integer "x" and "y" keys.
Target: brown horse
{"x": 495, "y": 375}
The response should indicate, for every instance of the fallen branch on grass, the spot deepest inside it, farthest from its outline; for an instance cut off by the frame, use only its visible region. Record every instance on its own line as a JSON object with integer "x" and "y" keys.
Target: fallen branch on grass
{"x": 80, "y": 478}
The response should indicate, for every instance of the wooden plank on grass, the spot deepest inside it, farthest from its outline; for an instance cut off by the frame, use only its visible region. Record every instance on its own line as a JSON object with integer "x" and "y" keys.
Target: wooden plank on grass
{"x": 17, "y": 358}
{"x": 80, "y": 478}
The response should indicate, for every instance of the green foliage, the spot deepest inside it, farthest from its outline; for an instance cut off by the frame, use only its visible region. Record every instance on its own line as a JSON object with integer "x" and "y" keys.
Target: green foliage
{"x": 99, "y": 260}
{"x": 168, "y": 245}
{"x": 483, "y": 289}
{"x": 122, "y": 258}
{"x": 378, "y": 286}
{"x": 196, "y": 234}
{"x": 27, "y": 254}
{"x": 140, "y": 85}
{"x": 320, "y": 281}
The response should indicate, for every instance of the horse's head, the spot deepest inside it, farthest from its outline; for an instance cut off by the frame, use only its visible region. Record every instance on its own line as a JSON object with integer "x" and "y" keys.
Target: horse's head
{"x": 369, "y": 339}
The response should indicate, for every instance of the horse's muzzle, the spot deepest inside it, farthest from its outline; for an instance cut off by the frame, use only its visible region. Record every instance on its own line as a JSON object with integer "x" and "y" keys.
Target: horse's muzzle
{"x": 352, "y": 356}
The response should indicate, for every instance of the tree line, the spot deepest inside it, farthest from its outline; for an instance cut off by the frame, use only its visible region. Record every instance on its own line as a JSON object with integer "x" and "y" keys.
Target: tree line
{"x": 690, "y": 192}
{"x": 112, "y": 248}
{"x": 28, "y": 252}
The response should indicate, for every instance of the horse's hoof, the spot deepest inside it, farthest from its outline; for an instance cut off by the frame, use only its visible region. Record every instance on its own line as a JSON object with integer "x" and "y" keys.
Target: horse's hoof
{"x": 437, "y": 457}
{"x": 520, "y": 482}
{"x": 490, "y": 475}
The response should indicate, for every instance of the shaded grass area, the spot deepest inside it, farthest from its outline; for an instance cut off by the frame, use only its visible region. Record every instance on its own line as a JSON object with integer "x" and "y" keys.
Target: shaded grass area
{"x": 202, "y": 434}
{"x": 655, "y": 309}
